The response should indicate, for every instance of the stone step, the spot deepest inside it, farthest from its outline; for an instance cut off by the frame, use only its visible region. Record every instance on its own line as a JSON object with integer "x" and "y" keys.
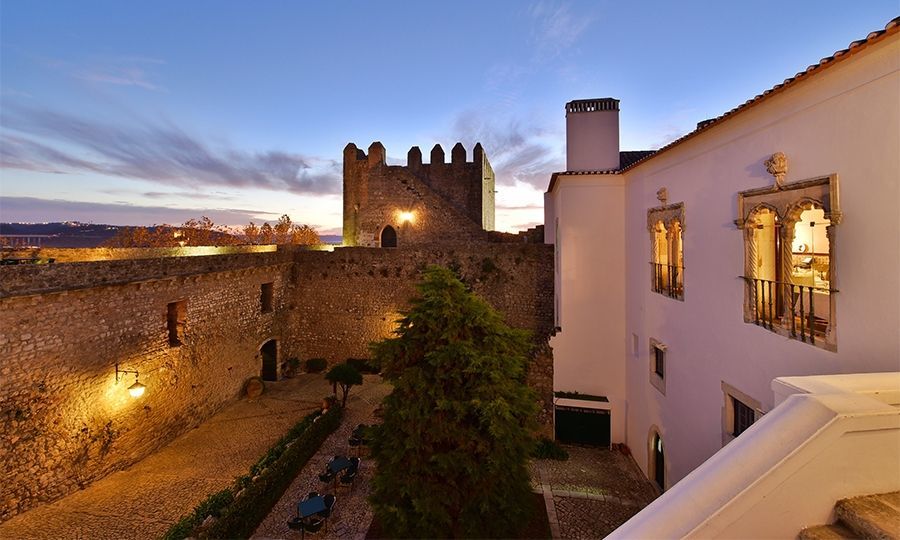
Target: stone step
{"x": 826, "y": 532}
{"x": 871, "y": 516}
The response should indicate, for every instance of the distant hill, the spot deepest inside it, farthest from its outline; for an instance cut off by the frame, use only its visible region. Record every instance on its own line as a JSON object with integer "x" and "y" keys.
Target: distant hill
{"x": 72, "y": 234}
{"x": 67, "y": 234}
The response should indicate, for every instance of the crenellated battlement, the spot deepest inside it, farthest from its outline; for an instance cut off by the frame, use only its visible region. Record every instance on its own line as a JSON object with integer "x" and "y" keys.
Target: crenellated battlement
{"x": 377, "y": 155}
{"x": 461, "y": 191}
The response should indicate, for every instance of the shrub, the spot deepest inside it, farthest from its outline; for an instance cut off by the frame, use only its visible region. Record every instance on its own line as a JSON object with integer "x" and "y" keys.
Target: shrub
{"x": 345, "y": 376}
{"x": 239, "y": 516}
{"x": 364, "y": 365}
{"x": 316, "y": 365}
{"x": 548, "y": 449}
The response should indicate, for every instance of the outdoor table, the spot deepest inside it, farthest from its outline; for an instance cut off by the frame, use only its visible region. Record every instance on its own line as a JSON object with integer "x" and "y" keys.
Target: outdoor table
{"x": 338, "y": 464}
{"x": 311, "y": 506}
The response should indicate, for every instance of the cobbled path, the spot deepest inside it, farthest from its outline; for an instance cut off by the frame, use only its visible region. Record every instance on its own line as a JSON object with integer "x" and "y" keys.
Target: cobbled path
{"x": 351, "y": 516}
{"x": 144, "y": 500}
{"x": 592, "y": 493}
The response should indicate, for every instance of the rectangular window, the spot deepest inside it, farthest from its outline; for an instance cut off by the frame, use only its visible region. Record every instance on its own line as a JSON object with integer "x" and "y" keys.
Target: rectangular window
{"x": 659, "y": 357}
{"x": 744, "y": 416}
{"x": 658, "y": 365}
{"x": 267, "y": 297}
{"x": 176, "y": 315}
{"x": 739, "y": 412}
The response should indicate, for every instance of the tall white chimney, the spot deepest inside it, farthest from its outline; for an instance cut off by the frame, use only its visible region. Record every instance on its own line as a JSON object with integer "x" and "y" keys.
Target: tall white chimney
{"x": 592, "y": 134}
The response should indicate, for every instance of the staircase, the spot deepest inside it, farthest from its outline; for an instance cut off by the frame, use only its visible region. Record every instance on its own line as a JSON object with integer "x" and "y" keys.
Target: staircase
{"x": 872, "y": 516}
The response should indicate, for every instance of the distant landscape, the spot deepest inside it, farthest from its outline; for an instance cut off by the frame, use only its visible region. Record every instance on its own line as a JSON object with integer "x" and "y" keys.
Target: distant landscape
{"x": 73, "y": 234}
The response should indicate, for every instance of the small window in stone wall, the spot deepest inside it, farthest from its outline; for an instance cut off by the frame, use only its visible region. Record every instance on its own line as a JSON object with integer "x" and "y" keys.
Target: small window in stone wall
{"x": 267, "y": 297}
{"x": 739, "y": 413}
{"x": 176, "y": 317}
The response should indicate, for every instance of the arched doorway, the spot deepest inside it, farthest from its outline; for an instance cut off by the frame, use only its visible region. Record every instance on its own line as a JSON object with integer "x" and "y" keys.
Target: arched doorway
{"x": 388, "y": 237}
{"x": 269, "y": 352}
{"x": 657, "y": 460}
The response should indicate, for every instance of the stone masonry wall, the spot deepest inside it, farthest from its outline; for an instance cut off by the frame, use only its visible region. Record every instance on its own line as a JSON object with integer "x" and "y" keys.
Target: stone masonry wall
{"x": 450, "y": 202}
{"x": 64, "y": 420}
{"x": 350, "y": 298}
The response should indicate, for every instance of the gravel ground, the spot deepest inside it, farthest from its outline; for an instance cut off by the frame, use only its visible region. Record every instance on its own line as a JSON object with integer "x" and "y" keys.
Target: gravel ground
{"x": 351, "y": 515}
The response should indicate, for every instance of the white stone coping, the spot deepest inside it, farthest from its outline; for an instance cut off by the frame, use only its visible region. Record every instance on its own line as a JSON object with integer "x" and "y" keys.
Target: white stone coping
{"x": 582, "y": 404}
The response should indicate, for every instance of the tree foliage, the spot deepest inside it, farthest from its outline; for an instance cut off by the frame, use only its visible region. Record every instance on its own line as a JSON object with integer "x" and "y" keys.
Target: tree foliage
{"x": 345, "y": 376}
{"x": 453, "y": 448}
{"x": 204, "y": 232}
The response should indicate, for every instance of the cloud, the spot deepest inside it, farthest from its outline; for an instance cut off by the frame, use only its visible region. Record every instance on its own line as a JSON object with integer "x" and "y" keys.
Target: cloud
{"x": 527, "y": 207}
{"x": 156, "y": 151}
{"x": 557, "y": 28}
{"x": 122, "y": 76}
{"x": 32, "y": 209}
{"x": 518, "y": 153}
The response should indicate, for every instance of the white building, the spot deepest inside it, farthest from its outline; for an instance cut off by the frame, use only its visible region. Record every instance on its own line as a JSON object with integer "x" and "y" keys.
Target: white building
{"x": 764, "y": 244}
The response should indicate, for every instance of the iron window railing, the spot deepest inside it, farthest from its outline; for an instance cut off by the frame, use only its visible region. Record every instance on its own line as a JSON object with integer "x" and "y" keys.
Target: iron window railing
{"x": 778, "y": 305}
{"x": 668, "y": 279}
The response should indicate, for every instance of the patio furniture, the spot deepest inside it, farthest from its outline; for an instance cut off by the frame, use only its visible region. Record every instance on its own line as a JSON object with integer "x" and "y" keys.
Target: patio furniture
{"x": 309, "y": 514}
{"x": 338, "y": 464}
{"x": 347, "y": 479}
{"x": 329, "y": 506}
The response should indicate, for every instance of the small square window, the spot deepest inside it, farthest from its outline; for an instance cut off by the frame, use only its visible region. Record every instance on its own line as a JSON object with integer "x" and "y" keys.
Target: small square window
{"x": 176, "y": 318}
{"x": 658, "y": 365}
{"x": 267, "y": 297}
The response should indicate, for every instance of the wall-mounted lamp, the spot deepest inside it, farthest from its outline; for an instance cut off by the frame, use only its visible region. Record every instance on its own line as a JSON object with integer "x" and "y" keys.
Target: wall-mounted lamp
{"x": 406, "y": 217}
{"x": 137, "y": 389}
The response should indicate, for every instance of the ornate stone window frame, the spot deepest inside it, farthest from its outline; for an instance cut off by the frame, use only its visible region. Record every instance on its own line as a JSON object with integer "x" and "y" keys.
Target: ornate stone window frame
{"x": 668, "y": 215}
{"x": 787, "y": 201}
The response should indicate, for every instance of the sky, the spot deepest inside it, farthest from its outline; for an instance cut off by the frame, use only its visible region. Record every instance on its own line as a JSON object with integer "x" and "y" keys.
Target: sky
{"x": 135, "y": 113}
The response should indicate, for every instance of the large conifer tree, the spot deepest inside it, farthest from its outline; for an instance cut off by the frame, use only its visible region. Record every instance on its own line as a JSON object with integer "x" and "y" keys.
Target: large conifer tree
{"x": 453, "y": 448}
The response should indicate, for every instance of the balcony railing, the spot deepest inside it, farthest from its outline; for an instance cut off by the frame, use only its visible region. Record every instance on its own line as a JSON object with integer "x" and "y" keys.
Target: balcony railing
{"x": 668, "y": 279}
{"x": 787, "y": 307}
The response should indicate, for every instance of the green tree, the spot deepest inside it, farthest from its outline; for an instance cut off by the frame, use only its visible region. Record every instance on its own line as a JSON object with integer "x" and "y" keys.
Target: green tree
{"x": 345, "y": 376}
{"x": 457, "y": 431}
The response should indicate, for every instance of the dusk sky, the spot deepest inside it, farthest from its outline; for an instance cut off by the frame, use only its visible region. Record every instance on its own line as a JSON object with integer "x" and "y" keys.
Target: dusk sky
{"x": 155, "y": 112}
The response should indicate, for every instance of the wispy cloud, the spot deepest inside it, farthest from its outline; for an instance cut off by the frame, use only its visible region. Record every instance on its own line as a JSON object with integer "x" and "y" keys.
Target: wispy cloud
{"x": 59, "y": 142}
{"x": 29, "y": 209}
{"x": 121, "y": 76}
{"x": 557, "y": 28}
{"x": 518, "y": 153}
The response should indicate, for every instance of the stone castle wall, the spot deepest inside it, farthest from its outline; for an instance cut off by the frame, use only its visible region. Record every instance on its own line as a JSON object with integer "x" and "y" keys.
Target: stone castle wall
{"x": 63, "y": 327}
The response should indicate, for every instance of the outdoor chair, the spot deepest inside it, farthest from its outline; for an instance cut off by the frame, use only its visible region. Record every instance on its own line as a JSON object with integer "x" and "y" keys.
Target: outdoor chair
{"x": 314, "y": 524}
{"x": 350, "y": 475}
{"x": 329, "y": 505}
{"x": 295, "y": 523}
{"x": 311, "y": 494}
{"x": 326, "y": 476}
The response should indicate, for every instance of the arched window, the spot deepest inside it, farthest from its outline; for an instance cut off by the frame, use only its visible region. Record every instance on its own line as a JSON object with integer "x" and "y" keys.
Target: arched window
{"x": 388, "y": 237}
{"x": 789, "y": 258}
{"x": 666, "y": 224}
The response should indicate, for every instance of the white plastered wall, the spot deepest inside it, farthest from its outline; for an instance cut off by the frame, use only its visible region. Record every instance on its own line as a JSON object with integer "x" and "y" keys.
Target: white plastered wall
{"x": 845, "y": 120}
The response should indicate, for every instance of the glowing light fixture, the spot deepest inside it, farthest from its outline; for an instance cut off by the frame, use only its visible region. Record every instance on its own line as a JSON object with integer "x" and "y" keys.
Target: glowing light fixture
{"x": 406, "y": 217}
{"x": 137, "y": 389}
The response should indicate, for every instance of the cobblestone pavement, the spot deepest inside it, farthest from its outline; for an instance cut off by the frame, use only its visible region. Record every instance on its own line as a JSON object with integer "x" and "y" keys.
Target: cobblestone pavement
{"x": 351, "y": 516}
{"x": 591, "y": 493}
{"x": 144, "y": 500}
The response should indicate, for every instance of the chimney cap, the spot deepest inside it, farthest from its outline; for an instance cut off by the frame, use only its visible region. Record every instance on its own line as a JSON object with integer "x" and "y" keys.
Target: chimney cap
{"x": 592, "y": 105}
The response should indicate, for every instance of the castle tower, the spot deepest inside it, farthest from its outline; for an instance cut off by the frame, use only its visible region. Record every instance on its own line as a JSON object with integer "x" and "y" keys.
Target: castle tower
{"x": 592, "y": 134}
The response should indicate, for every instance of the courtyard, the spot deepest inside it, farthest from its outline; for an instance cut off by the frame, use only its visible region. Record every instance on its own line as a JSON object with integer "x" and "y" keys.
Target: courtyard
{"x": 586, "y": 496}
